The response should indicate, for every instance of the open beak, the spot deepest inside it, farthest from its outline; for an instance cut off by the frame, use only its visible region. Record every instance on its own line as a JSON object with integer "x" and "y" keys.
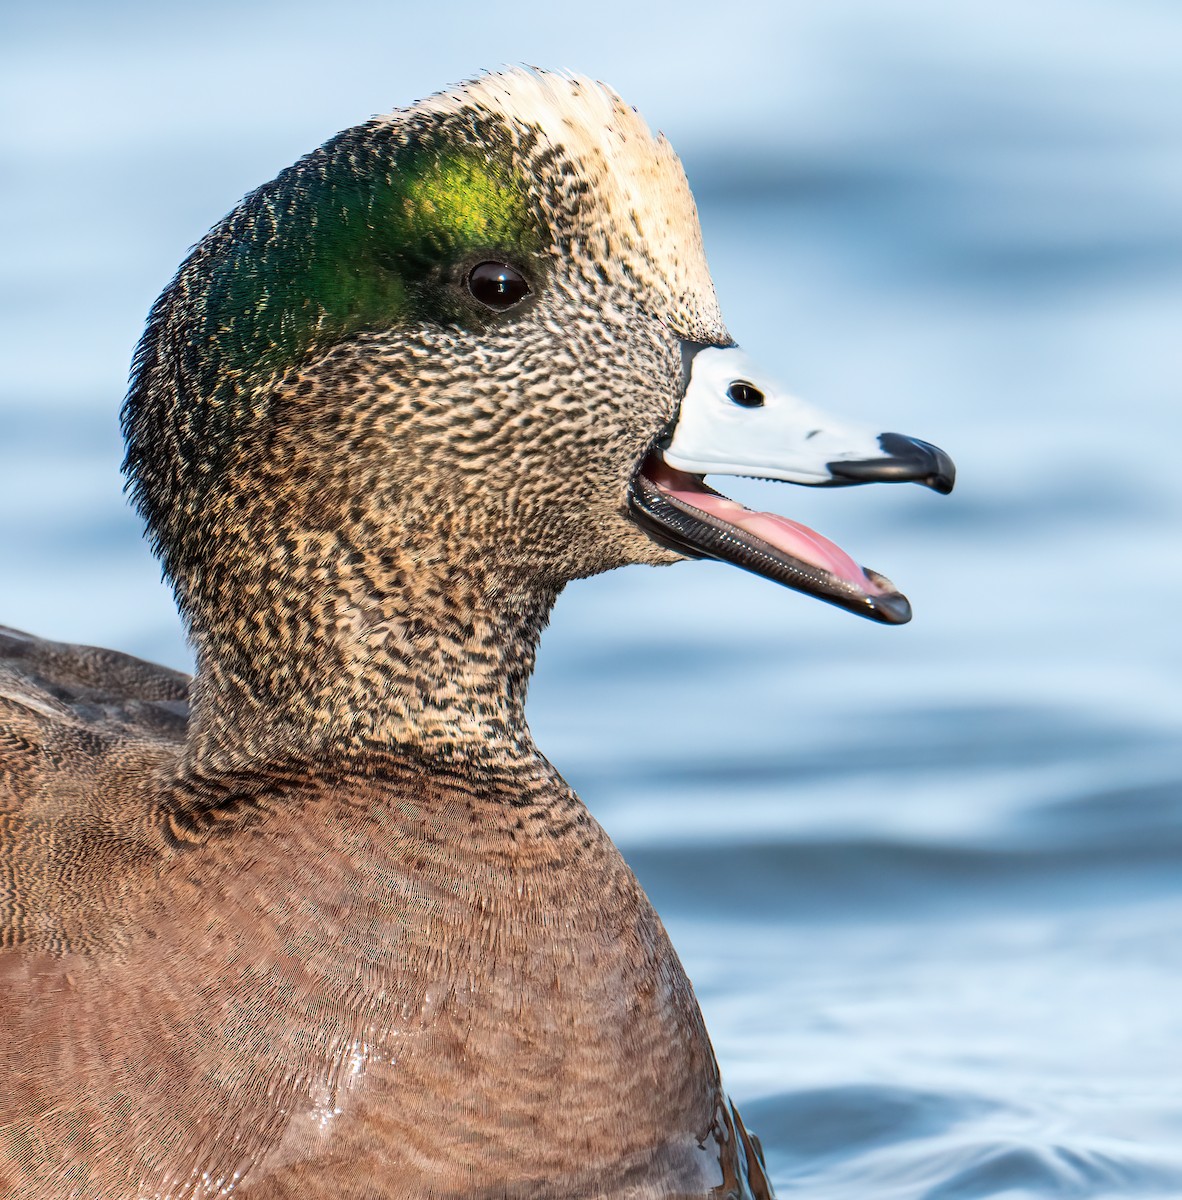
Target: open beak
{"x": 734, "y": 420}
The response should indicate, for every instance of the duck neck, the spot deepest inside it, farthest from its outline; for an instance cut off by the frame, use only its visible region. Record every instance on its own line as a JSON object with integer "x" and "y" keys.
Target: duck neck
{"x": 357, "y": 662}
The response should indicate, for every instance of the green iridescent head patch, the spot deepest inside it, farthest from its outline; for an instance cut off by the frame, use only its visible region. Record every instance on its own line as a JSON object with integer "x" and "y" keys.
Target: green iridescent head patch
{"x": 361, "y": 235}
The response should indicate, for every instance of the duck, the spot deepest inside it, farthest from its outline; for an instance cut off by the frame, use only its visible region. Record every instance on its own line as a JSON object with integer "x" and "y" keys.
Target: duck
{"x": 322, "y": 920}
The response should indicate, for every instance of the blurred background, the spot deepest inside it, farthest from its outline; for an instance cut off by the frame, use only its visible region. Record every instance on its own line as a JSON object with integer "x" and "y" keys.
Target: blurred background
{"x": 928, "y": 881}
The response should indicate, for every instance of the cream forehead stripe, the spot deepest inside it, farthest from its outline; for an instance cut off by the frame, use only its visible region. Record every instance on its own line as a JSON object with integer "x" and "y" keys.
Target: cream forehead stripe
{"x": 648, "y": 212}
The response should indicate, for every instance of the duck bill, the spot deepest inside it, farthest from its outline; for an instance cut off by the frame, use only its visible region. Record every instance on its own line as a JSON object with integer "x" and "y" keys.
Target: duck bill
{"x": 735, "y": 420}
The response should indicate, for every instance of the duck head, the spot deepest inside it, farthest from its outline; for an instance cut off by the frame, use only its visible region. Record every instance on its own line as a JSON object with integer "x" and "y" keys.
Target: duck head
{"x": 456, "y": 357}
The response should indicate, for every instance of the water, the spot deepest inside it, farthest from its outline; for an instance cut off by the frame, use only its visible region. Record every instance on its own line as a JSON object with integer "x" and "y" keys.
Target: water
{"x": 928, "y": 881}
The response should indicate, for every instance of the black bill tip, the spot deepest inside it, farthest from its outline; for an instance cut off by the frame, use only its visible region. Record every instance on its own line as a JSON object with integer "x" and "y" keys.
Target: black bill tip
{"x": 905, "y": 460}
{"x": 888, "y": 607}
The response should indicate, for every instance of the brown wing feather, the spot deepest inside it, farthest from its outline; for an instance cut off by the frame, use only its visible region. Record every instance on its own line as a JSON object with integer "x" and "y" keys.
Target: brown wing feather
{"x": 114, "y": 692}
{"x": 84, "y": 736}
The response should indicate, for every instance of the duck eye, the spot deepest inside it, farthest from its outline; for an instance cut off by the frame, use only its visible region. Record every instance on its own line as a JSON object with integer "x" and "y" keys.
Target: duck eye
{"x": 746, "y": 395}
{"x": 497, "y": 285}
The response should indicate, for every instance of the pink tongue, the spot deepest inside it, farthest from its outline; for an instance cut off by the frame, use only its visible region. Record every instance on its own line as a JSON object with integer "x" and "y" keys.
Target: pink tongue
{"x": 791, "y": 537}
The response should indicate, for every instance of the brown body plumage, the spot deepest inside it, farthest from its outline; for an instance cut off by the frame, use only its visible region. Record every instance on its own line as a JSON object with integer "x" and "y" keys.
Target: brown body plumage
{"x": 325, "y": 924}
{"x": 360, "y": 979}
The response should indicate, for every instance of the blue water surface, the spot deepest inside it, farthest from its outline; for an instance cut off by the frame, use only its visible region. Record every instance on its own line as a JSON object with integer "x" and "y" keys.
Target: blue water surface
{"x": 928, "y": 881}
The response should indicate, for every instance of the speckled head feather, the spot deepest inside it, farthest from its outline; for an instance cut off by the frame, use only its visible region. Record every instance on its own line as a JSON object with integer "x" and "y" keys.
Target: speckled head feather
{"x": 326, "y": 430}
{"x": 355, "y": 236}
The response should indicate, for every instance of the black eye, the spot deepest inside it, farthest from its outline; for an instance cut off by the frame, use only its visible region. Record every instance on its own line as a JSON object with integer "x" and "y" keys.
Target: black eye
{"x": 745, "y": 394}
{"x": 497, "y": 285}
